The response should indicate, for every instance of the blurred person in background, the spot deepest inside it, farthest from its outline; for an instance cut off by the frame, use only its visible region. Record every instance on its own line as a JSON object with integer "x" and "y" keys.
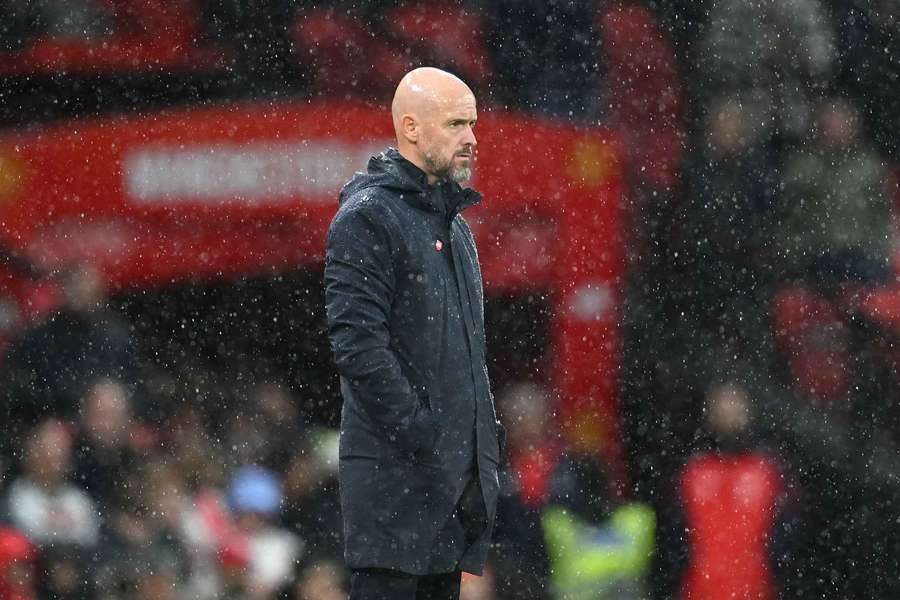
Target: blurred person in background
{"x": 55, "y": 513}
{"x": 260, "y": 554}
{"x": 17, "y": 566}
{"x": 49, "y": 366}
{"x": 143, "y": 534}
{"x": 265, "y": 427}
{"x": 519, "y": 559}
{"x": 835, "y": 216}
{"x": 598, "y": 547}
{"x": 733, "y": 181}
{"x": 276, "y": 407}
{"x": 533, "y": 445}
{"x": 44, "y": 502}
{"x": 869, "y": 47}
{"x": 159, "y": 582}
{"x": 193, "y": 451}
{"x": 321, "y": 580}
{"x": 104, "y": 454}
{"x": 65, "y": 573}
{"x": 724, "y": 536}
{"x": 311, "y": 500}
{"x": 773, "y": 56}
{"x": 247, "y": 437}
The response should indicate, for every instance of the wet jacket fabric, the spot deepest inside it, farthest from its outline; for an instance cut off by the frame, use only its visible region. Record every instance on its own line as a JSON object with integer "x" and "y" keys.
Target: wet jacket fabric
{"x": 406, "y": 324}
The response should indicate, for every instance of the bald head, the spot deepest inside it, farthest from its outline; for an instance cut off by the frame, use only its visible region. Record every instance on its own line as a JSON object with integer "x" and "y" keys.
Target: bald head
{"x": 424, "y": 90}
{"x": 434, "y": 113}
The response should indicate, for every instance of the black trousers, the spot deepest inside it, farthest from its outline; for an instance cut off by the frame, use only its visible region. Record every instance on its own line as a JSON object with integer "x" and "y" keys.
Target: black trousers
{"x": 384, "y": 584}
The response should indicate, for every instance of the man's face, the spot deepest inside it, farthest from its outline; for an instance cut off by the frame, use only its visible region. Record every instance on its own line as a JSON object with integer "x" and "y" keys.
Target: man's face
{"x": 448, "y": 140}
{"x": 48, "y": 454}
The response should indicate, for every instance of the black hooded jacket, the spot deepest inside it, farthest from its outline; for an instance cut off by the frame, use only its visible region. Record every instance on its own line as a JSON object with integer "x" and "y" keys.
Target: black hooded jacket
{"x": 406, "y": 323}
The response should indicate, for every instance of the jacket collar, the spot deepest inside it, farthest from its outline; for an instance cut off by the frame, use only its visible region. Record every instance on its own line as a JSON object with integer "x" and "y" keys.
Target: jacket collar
{"x": 444, "y": 196}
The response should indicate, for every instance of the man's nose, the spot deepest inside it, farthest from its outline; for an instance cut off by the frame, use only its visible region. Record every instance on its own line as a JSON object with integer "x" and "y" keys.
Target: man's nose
{"x": 470, "y": 137}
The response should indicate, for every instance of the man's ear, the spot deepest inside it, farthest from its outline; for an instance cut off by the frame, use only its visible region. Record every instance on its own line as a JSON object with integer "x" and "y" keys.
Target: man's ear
{"x": 410, "y": 128}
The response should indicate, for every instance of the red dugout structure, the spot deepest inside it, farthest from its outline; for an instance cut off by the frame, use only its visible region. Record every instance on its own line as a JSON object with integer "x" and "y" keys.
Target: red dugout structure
{"x": 247, "y": 189}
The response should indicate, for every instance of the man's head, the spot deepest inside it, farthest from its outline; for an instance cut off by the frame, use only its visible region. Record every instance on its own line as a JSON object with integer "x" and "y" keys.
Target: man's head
{"x": 83, "y": 287}
{"x": 728, "y": 411}
{"x": 106, "y": 412}
{"x": 524, "y": 408}
{"x": 48, "y": 453}
{"x": 434, "y": 115}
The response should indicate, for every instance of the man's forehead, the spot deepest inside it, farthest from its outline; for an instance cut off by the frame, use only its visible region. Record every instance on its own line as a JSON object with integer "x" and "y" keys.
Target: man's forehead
{"x": 458, "y": 103}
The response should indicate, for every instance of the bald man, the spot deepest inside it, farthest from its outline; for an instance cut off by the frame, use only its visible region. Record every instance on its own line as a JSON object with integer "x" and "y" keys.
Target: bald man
{"x": 420, "y": 442}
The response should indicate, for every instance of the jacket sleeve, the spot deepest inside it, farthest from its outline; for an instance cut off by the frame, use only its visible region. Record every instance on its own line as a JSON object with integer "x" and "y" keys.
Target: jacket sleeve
{"x": 359, "y": 290}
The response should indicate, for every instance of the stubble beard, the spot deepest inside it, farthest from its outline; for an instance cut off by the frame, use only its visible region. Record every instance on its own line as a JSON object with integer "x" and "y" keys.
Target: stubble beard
{"x": 461, "y": 174}
{"x": 445, "y": 169}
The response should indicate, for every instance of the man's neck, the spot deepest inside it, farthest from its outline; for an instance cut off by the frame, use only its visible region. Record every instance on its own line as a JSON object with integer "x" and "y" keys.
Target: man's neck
{"x": 418, "y": 163}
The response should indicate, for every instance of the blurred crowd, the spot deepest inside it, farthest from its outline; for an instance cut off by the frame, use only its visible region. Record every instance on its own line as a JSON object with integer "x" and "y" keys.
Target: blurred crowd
{"x": 201, "y": 495}
{"x": 759, "y": 376}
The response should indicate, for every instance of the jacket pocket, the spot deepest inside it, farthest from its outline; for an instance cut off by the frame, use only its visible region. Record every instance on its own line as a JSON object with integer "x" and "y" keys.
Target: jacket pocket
{"x": 419, "y": 435}
{"x": 501, "y": 442}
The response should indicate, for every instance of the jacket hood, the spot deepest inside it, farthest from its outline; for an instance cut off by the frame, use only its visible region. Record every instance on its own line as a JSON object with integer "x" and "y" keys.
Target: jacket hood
{"x": 390, "y": 170}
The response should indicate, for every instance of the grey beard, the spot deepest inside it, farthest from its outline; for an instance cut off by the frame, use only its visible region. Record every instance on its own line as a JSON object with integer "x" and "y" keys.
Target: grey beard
{"x": 461, "y": 174}
{"x": 447, "y": 171}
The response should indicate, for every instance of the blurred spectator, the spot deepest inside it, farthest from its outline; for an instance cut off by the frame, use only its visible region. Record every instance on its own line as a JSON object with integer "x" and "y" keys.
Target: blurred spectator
{"x": 869, "y": 53}
{"x": 246, "y": 437}
{"x": 836, "y": 219}
{"x": 267, "y": 428}
{"x": 143, "y": 536}
{"x": 104, "y": 455}
{"x": 50, "y": 365}
{"x": 722, "y": 544}
{"x": 260, "y": 556}
{"x": 207, "y": 529}
{"x": 322, "y": 580}
{"x": 65, "y": 573}
{"x": 43, "y": 502}
{"x": 311, "y": 502}
{"x": 160, "y": 583}
{"x": 597, "y": 549}
{"x": 518, "y": 558}
{"x": 17, "y": 566}
{"x": 732, "y": 185}
{"x": 532, "y": 445}
{"x": 772, "y": 55}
